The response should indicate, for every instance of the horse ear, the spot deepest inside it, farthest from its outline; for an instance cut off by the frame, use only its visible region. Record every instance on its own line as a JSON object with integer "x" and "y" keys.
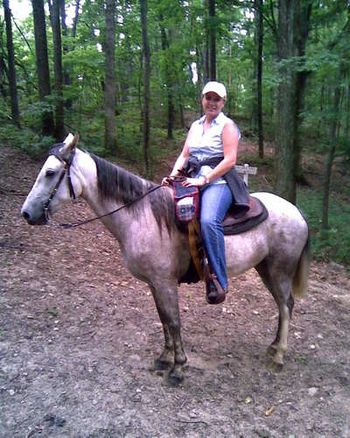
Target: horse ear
{"x": 71, "y": 141}
{"x": 76, "y": 139}
{"x": 69, "y": 144}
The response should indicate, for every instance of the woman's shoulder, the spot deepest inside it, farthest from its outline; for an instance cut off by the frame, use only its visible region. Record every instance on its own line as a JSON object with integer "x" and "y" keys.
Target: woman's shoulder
{"x": 225, "y": 119}
{"x": 230, "y": 124}
{"x": 199, "y": 121}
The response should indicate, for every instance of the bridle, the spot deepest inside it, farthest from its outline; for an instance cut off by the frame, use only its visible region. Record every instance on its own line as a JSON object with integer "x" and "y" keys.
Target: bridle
{"x": 65, "y": 171}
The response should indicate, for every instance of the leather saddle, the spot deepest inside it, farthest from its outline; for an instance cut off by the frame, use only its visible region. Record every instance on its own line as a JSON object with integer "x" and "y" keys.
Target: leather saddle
{"x": 236, "y": 223}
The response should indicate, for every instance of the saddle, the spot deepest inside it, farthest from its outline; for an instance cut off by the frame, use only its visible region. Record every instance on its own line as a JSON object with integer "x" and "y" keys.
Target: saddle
{"x": 236, "y": 223}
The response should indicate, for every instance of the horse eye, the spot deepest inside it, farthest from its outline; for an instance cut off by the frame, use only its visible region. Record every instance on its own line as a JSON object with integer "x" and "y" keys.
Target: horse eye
{"x": 50, "y": 173}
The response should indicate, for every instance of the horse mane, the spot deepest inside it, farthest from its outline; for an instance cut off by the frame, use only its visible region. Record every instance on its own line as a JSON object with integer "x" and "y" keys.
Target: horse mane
{"x": 118, "y": 184}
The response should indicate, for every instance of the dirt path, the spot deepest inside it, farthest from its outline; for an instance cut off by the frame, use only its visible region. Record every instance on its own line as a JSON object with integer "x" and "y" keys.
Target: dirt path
{"x": 78, "y": 336}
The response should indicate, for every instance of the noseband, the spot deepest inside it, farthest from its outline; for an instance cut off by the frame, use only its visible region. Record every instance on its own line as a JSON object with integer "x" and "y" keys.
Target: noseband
{"x": 66, "y": 170}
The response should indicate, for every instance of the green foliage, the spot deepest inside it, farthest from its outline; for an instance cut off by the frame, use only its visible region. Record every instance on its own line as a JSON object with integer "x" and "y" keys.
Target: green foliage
{"x": 25, "y": 139}
{"x": 335, "y": 244}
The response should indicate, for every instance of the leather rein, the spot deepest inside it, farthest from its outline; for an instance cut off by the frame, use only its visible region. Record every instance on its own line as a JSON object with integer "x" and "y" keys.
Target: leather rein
{"x": 66, "y": 171}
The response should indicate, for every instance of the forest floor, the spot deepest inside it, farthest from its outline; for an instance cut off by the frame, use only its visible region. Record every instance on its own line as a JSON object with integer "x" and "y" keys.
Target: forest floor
{"x": 78, "y": 335}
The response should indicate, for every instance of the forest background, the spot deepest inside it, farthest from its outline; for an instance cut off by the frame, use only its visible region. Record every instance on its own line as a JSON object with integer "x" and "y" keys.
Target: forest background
{"x": 127, "y": 76}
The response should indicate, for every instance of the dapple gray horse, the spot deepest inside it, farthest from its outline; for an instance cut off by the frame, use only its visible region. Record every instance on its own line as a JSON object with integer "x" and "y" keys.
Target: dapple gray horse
{"x": 156, "y": 252}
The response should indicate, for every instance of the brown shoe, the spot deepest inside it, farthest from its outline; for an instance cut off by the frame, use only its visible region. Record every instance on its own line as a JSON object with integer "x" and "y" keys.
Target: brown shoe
{"x": 214, "y": 292}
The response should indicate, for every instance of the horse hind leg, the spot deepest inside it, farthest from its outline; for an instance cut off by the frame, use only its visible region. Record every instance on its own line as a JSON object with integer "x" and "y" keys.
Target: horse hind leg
{"x": 282, "y": 328}
{"x": 173, "y": 355}
{"x": 280, "y": 286}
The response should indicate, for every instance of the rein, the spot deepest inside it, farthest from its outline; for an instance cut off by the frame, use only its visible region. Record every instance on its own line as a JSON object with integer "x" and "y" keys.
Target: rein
{"x": 78, "y": 224}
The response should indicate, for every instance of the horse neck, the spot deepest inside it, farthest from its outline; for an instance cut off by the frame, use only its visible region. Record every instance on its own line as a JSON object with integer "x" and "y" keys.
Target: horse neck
{"x": 119, "y": 223}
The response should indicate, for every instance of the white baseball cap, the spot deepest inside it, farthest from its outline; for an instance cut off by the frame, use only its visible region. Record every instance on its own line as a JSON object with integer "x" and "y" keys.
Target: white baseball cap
{"x": 215, "y": 87}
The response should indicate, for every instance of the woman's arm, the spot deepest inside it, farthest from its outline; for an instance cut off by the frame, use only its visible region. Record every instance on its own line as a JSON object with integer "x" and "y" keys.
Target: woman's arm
{"x": 181, "y": 160}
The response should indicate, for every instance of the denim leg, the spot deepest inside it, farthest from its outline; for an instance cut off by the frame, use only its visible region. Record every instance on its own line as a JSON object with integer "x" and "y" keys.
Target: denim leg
{"x": 215, "y": 201}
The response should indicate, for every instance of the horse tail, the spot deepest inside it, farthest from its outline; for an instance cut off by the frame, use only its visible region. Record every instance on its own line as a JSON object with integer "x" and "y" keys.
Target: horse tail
{"x": 300, "y": 280}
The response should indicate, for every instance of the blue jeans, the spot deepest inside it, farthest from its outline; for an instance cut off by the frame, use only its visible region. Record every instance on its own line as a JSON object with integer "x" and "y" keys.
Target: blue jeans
{"x": 215, "y": 201}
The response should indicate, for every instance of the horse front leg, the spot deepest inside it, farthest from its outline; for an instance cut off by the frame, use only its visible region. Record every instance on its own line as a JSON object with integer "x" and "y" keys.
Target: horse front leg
{"x": 166, "y": 299}
{"x": 166, "y": 359}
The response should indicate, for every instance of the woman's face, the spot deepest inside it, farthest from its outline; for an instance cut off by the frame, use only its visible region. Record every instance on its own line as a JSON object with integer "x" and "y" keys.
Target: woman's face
{"x": 212, "y": 104}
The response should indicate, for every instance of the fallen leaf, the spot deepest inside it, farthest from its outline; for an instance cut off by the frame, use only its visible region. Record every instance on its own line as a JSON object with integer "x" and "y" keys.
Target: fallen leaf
{"x": 270, "y": 411}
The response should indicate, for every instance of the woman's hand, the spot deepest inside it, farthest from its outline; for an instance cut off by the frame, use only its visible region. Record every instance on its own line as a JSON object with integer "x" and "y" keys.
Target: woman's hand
{"x": 199, "y": 182}
{"x": 166, "y": 181}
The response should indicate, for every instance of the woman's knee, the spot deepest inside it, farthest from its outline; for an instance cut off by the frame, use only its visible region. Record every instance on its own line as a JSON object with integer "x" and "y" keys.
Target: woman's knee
{"x": 209, "y": 222}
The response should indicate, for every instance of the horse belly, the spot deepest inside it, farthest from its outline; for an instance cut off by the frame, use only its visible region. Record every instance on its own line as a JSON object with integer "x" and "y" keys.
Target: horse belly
{"x": 244, "y": 251}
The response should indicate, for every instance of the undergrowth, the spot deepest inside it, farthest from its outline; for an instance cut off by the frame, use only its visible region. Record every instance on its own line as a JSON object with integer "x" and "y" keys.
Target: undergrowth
{"x": 334, "y": 243}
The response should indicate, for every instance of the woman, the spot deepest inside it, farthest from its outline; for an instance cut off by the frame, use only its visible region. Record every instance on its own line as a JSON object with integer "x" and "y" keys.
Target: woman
{"x": 209, "y": 156}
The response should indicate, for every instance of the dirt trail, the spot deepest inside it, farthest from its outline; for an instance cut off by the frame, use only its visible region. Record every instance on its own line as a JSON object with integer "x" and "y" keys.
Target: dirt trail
{"x": 78, "y": 335}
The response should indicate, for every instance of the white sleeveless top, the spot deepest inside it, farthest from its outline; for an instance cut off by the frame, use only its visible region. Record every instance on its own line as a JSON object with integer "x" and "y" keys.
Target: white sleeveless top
{"x": 204, "y": 145}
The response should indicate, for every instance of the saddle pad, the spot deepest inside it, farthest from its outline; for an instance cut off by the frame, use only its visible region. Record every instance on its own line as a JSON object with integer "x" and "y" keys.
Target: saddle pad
{"x": 256, "y": 214}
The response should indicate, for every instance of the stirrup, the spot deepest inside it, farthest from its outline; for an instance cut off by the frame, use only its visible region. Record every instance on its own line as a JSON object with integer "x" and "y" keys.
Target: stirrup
{"x": 215, "y": 294}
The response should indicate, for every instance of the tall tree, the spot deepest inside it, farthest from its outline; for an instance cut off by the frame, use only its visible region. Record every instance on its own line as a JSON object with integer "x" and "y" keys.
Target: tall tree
{"x": 168, "y": 77}
{"x": 11, "y": 64}
{"x": 291, "y": 40}
{"x": 259, "y": 72}
{"x": 76, "y": 18}
{"x": 212, "y": 39}
{"x": 340, "y": 45}
{"x": 66, "y": 75}
{"x": 110, "y": 77}
{"x": 42, "y": 65}
{"x": 333, "y": 140}
{"x": 146, "y": 83}
{"x": 302, "y": 74}
{"x": 58, "y": 71}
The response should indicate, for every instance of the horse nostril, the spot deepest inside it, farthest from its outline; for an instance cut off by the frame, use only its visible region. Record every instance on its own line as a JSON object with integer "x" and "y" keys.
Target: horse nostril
{"x": 26, "y": 215}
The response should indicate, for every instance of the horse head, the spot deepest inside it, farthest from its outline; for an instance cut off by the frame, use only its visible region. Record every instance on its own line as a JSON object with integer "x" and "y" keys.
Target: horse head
{"x": 56, "y": 182}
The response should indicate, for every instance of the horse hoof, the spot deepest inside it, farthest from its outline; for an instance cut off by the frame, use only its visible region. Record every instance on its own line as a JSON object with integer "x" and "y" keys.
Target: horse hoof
{"x": 161, "y": 365}
{"x": 275, "y": 367}
{"x": 175, "y": 378}
{"x": 271, "y": 351}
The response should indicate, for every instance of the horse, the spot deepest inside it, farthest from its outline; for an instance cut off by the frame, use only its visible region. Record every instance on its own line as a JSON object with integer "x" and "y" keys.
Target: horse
{"x": 141, "y": 216}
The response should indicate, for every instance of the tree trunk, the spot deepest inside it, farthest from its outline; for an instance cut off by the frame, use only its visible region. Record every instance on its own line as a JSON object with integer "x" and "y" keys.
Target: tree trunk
{"x": 347, "y": 108}
{"x": 58, "y": 71}
{"x": 259, "y": 72}
{"x": 293, "y": 16}
{"x": 302, "y": 33}
{"x": 75, "y": 19}
{"x": 66, "y": 75}
{"x": 146, "y": 84}
{"x": 110, "y": 78}
{"x": 168, "y": 79}
{"x": 286, "y": 108}
{"x": 333, "y": 139}
{"x": 11, "y": 64}
{"x": 212, "y": 39}
{"x": 4, "y": 74}
{"x": 42, "y": 64}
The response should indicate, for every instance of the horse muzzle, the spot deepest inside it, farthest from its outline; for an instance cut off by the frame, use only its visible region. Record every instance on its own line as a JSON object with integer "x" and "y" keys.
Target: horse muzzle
{"x": 34, "y": 219}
